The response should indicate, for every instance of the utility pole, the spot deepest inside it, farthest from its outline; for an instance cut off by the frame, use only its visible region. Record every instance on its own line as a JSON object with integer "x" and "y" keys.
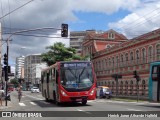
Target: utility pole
{"x": 136, "y": 75}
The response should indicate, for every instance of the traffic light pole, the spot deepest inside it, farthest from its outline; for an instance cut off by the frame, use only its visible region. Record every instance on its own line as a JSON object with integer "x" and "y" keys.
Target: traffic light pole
{"x": 6, "y": 73}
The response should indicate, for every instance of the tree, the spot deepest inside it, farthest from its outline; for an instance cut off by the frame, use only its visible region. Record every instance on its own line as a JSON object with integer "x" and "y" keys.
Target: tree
{"x": 58, "y": 52}
{"x": 15, "y": 82}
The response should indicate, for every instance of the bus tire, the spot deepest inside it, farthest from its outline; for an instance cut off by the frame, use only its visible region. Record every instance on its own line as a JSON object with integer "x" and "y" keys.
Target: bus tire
{"x": 84, "y": 102}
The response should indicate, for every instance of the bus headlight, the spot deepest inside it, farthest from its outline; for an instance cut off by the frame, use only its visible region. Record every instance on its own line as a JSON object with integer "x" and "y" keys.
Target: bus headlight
{"x": 92, "y": 92}
{"x": 63, "y": 93}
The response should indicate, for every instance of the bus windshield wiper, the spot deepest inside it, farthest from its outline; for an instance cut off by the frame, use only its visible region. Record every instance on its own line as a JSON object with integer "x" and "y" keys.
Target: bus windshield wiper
{"x": 72, "y": 73}
{"x": 81, "y": 74}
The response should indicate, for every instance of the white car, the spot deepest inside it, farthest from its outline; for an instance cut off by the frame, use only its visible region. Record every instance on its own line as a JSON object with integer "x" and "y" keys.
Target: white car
{"x": 35, "y": 89}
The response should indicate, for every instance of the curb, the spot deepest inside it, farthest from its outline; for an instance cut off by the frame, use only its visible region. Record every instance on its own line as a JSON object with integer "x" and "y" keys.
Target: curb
{"x": 5, "y": 107}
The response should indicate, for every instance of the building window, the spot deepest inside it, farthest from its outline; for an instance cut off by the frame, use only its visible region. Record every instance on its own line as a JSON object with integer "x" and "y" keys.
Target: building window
{"x": 111, "y": 35}
{"x": 150, "y": 53}
{"x": 131, "y": 57}
{"x": 106, "y": 63}
{"x": 113, "y": 61}
{"x": 143, "y": 55}
{"x": 137, "y": 56}
{"x": 109, "y": 62}
{"x": 158, "y": 51}
{"x": 121, "y": 60}
{"x": 117, "y": 61}
{"x": 126, "y": 58}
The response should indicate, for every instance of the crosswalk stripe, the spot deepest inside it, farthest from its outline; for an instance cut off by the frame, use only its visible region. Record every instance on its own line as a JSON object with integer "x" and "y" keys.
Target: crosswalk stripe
{"x": 33, "y": 103}
{"x": 22, "y": 104}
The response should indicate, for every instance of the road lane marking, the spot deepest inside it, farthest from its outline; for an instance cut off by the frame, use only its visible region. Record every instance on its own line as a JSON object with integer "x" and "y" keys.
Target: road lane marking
{"x": 84, "y": 111}
{"x": 22, "y": 104}
{"x": 34, "y": 97}
{"x": 33, "y": 103}
{"x": 133, "y": 109}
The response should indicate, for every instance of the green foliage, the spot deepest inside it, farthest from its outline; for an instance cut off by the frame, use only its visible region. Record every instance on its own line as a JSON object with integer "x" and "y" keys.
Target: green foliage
{"x": 58, "y": 52}
{"x": 15, "y": 82}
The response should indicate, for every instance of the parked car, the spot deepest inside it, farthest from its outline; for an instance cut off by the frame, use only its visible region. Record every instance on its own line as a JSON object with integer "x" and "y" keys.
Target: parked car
{"x": 34, "y": 89}
{"x": 104, "y": 92}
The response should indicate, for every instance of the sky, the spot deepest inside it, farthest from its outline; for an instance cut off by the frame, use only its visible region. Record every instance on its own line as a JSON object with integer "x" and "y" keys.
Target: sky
{"x": 129, "y": 17}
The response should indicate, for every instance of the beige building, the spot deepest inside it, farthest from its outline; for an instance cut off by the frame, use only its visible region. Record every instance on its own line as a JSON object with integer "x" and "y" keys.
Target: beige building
{"x": 28, "y": 64}
{"x": 76, "y": 39}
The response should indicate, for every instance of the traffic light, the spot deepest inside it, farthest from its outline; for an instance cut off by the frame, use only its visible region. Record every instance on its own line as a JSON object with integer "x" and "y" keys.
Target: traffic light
{"x": 64, "y": 30}
{"x": 5, "y": 59}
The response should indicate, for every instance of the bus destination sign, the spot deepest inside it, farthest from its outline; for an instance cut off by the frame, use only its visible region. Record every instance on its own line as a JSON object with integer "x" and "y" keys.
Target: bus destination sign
{"x": 75, "y": 65}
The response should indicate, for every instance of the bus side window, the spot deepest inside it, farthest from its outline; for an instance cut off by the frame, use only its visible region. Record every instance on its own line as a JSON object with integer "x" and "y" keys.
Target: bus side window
{"x": 154, "y": 73}
{"x": 56, "y": 77}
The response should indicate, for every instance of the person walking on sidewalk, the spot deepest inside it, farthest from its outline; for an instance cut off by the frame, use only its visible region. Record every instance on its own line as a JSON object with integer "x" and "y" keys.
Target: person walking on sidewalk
{"x": 19, "y": 93}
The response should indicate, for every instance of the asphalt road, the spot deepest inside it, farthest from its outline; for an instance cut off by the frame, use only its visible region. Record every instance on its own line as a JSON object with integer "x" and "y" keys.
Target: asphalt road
{"x": 97, "y": 109}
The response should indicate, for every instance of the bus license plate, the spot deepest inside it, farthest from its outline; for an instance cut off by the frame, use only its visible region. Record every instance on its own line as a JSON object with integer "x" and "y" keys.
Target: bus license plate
{"x": 78, "y": 99}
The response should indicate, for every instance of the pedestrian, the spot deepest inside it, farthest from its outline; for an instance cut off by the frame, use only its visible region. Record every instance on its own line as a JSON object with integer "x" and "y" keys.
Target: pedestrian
{"x": 1, "y": 96}
{"x": 19, "y": 93}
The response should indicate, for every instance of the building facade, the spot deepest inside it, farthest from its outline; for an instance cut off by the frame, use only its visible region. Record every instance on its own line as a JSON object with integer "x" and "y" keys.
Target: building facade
{"x": 19, "y": 66}
{"x": 36, "y": 73}
{"x": 111, "y": 53}
{"x": 76, "y": 39}
{"x": 30, "y": 60}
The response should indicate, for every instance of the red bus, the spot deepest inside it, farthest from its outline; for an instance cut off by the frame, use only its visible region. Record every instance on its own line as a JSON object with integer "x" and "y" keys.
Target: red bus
{"x": 73, "y": 81}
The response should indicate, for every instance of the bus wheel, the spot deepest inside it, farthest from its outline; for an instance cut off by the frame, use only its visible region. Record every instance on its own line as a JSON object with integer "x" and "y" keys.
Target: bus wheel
{"x": 84, "y": 102}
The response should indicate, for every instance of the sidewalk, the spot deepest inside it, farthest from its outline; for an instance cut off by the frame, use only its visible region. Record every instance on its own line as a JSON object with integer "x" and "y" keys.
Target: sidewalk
{"x": 9, "y": 104}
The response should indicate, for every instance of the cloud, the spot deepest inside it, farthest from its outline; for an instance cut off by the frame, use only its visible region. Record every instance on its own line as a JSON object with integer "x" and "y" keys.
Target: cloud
{"x": 52, "y": 13}
{"x": 104, "y": 6}
{"x": 142, "y": 20}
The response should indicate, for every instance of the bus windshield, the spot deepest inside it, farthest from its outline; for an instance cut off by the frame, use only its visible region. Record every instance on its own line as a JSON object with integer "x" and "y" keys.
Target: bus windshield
{"x": 77, "y": 78}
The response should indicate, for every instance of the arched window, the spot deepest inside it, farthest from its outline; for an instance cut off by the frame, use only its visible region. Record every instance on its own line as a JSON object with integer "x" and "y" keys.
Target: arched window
{"x": 121, "y": 60}
{"x": 102, "y": 65}
{"x": 158, "y": 51}
{"x": 143, "y": 55}
{"x": 109, "y": 62}
{"x": 131, "y": 87}
{"x": 117, "y": 61}
{"x": 150, "y": 53}
{"x": 113, "y": 61}
{"x": 143, "y": 87}
{"x": 131, "y": 57}
{"x": 137, "y": 56}
{"x": 106, "y": 63}
{"x": 126, "y": 58}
